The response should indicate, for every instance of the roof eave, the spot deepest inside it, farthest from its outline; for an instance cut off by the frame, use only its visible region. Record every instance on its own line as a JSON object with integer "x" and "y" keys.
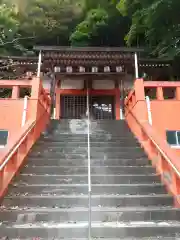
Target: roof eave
{"x": 86, "y": 49}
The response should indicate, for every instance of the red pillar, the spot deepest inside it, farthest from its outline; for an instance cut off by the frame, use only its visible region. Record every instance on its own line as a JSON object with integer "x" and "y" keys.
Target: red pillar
{"x": 58, "y": 110}
{"x": 159, "y": 93}
{"x": 177, "y": 93}
{"x": 117, "y": 103}
{"x": 15, "y": 92}
{"x": 141, "y": 107}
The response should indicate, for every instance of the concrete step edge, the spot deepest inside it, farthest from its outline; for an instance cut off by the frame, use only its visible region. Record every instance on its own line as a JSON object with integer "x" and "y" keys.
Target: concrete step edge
{"x": 102, "y": 196}
{"x": 92, "y": 175}
{"x": 148, "y": 224}
{"x": 49, "y": 210}
{"x": 123, "y": 167}
{"x": 93, "y": 185}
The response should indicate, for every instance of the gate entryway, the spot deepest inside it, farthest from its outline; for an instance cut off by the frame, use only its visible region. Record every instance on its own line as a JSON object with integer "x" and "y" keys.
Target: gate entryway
{"x": 75, "y": 107}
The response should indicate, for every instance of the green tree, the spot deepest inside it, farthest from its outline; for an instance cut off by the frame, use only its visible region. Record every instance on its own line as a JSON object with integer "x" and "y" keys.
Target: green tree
{"x": 154, "y": 24}
{"x": 89, "y": 28}
{"x": 102, "y": 25}
{"x": 25, "y": 23}
{"x": 9, "y": 26}
{"x": 50, "y": 22}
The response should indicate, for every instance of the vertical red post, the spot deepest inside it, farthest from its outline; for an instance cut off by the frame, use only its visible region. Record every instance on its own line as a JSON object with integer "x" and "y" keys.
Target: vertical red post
{"x": 58, "y": 110}
{"x": 141, "y": 108}
{"x": 35, "y": 94}
{"x": 36, "y": 87}
{"x": 159, "y": 93}
{"x": 117, "y": 103}
{"x": 177, "y": 93}
{"x": 15, "y": 92}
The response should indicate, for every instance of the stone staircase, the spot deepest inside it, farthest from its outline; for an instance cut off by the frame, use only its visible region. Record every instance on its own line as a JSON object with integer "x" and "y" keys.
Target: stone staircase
{"x": 49, "y": 199}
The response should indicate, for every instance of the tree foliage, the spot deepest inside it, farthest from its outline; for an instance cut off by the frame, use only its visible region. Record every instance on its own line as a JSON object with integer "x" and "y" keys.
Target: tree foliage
{"x": 8, "y": 29}
{"x": 40, "y": 21}
{"x": 62, "y": 22}
{"x": 95, "y": 20}
{"x": 51, "y": 21}
{"x": 102, "y": 25}
{"x": 149, "y": 23}
{"x": 155, "y": 24}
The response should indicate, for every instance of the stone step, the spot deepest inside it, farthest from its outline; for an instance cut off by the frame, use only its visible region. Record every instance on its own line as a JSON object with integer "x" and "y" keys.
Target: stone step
{"x": 77, "y": 142}
{"x": 40, "y": 161}
{"x": 92, "y": 127}
{"x": 115, "y": 133}
{"x": 80, "y": 150}
{"x": 93, "y": 137}
{"x": 96, "y": 170}
{"x": 105, "y": 123}
{"x": 112, "y": 144}
{"x": 97, "y": 121}
{"x": 95, "y": 125}
{"x": 102, "y": 148}
{"x": 93, "y": 120}
{"x": 76, "y": 154}
{"x": 81, "y": 214}
{"x": 70, "y": 189}
{"x": 94, "y": 238}
{"x": 60, "y": 201}
{"x": 93, "y": 131}
{"x": 96, "y": 179}
{"x": 99, "y": 229}
{"x": 76, "y": 123}
{"x": 94, "y": 151}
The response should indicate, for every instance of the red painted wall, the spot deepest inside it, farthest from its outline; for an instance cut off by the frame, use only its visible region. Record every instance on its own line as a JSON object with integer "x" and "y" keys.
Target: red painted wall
{"x": 11, "y": 111}
{"x": 165, "y": 112}
{"x": 165, "y": 115}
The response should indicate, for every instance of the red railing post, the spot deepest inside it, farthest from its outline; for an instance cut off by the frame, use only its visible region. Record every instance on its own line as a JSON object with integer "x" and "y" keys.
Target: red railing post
{"x": 159, "y": 93}
{"x": 178, "y": 93}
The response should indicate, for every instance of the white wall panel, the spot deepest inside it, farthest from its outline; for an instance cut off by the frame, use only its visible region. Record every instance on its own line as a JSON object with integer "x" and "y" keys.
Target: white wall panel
{"x": 103, "y": 84}
{"x": 46, "y": 81}
{"x": 128, "y": 81}
{"x": 72, "y": 84}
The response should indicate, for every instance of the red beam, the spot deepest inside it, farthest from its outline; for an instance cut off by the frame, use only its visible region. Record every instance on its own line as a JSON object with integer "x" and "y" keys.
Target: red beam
{"x": 161, "y": 84}
{"x": 84, "y": 92}
{"x": 11, "y": 83}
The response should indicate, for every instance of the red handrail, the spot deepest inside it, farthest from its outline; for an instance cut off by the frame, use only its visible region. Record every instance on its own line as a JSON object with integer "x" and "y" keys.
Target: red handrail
{"x": 14, "y": 154}
{"x": 159, "y": 152}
